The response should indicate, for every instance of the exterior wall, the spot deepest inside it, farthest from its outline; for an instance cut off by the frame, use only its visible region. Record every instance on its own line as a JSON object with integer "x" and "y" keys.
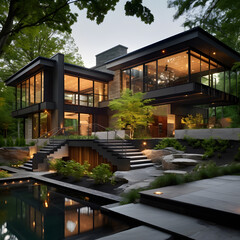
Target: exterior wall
{"x": 223, "y": 133}
{"x": 82, "y": 154}
{"x": 115, "y": 86}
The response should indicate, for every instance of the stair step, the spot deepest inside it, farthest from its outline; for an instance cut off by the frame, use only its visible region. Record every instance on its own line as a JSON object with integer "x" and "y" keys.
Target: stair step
{"x": 110, "y": 141}
{"x": 116, "y": 144}
{"x": 130, "y": 153}
{"x": 117, "y": 147}
{"x": 125, "y": 150}
{"x": 132, "y": 162}
{"x": 137, "y": 166}
{"x": 26, "y": 168}
{"x": 44, "y": 152}
{"x": 135, "y": 157}
{"x": 27, "y": 164}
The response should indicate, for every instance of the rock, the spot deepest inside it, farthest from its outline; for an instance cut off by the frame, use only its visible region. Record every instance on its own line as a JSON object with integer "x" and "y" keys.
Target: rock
{"x": 156, "y": 155}
{"x": 119, "y": 177}
{"x": 172, "y": 150}
{"x": 167, "y": 163}
{"x": 184, "y": 161}
{"x": 189, "y": 155}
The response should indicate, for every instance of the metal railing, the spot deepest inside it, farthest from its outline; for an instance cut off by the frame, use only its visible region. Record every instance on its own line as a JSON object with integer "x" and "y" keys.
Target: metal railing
{"x": 83, "y": 131}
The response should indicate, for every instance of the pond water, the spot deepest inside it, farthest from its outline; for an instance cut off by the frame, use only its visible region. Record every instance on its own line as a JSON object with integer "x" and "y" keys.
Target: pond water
{"x": 29, "y": 210}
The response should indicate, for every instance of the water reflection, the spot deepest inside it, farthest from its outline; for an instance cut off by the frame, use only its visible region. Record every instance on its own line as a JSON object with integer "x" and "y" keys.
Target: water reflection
{"x": 39, "y": 212}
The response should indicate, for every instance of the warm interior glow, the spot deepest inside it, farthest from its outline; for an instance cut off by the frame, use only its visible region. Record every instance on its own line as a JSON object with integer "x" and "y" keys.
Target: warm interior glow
{"x": 144, "y": 143}
{"x": 163, "y": 51}
{"x": 45, "y": 204}
{"x": 214, "y": 53}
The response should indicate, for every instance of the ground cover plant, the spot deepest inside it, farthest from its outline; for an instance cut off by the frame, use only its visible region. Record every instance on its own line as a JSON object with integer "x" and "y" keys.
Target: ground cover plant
{"x": 101, "y": 174}
{"x": 4, "y": 174}
{"x": 211, "y": 146}
{"x": 170, "y": 142}
{"x": 201, "y": 171}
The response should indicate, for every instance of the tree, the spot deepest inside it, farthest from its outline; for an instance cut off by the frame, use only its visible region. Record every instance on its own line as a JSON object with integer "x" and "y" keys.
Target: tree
{"x": 16, "y": 15}
{"x": 33, "y": 42}
{"x": 132, "y": 111}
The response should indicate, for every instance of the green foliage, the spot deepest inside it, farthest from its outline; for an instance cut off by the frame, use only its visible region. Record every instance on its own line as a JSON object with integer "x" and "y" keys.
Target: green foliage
{"x": 4, "y": 174}
{"x": 237, "y": 156}
{"x": 170, "y": 142}
{"x": 77, "y": 137}
{"x": 131, "y": 197}
{"x": 102, "y": 173}
{"x": 18, "y": 163}
{"x": 132, "y": 111}
{"x": 193, "y": 122}
{"x": 32, "y": 143}
{"x": 9, "y": 142}
{"x": 17, "y": 142}
{"x": 2, "y": 141}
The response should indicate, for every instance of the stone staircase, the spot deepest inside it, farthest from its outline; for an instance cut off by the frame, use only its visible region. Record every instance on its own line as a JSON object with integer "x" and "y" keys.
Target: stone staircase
{"x": 43, "y": 153}
{"x": 124, "y": 150}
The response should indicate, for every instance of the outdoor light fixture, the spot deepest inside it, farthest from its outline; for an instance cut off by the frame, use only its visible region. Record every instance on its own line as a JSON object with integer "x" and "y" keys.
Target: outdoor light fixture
{"x": 163, "y": 51}
{"x": 214, "y": 53}
{"x": 158, "y": 193}
{"x": 144, "y": 143}
{"x": 45, "y": 204}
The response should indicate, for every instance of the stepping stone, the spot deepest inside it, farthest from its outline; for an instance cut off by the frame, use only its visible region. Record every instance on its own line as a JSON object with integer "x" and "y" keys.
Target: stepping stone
{"x": 185, "y": 161}
{"x": 189, "y": 155}
{"x": 174, "y": 172}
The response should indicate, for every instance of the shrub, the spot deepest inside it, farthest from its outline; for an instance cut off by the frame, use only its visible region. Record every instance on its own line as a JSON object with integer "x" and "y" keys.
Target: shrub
{"x": 193, "y": 122}
{"x": 4, "y": 174}
{"x": 102, "y": 173}
{"x": 22, "y": 142}
{"x": 9, "y": 142}
{"x": 17, "y": 142}
{"x": 170, "y": 142}
{"x": 237, "y": 156}
{"x": 32, "y": 143}
{"x": 131, "y": 197}
{"x": 2, "y": 141}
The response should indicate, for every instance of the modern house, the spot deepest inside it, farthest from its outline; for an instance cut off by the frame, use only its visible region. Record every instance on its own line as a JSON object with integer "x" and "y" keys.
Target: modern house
{"x": 184, "y": 74}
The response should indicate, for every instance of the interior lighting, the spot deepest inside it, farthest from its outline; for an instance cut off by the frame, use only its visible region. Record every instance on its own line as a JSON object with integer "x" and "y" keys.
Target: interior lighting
{"x": 158, "y": 193}
{"x": 214, "y": 53}
{"x": 163, "y": 51}
{"x": 5, "y": 183}
{"x": 13, "y": 182}
{"x": 45, "y": 204}
{"x": 20, "y": 181}
{"x": 33, "y": 223}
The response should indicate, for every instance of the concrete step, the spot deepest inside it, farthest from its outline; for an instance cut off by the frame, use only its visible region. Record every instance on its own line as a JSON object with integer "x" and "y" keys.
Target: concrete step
{"x": 26, "y": 168}
{"x": 135, "y": 157}
{"x": 27, "y": 164}
{"x": 125, "y": 150}
{"x": 189, "y": 155}
{"x": 174, "y": 172}
{"x": 131, "y": 153}
{"x": 144, "y": 165}
{"x": 185, "y": 161}
{"x": 119, "y": 147}
{"x": 133, "y": 162}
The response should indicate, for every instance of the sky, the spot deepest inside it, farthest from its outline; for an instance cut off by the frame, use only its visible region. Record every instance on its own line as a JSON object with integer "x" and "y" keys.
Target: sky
{"x": 117, "y": 28}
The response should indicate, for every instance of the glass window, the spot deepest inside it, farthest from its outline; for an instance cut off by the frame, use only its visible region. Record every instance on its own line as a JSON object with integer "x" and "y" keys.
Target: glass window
{"x": 35, "y": 125}
{"x": 43, "y": 123}
{"x": 100, "y": 93}
{"x": 126, "y": 79}
{"x": 23, "y": 94}
{"x": 86, "y": 92}
{"x": 31, "y": 90}
{"x": 38, "y": 88}
{"x": 85, "y": 124}
{"x": 173, "y": 70}
{"x": 195, "y": 67}
{"x": 137, "y": 79}
{"x": 42, "y": 86}
{"x": 150, "y": 78}
{"x": 71, "y": 123}
{"x": 27, "y": 93}
{"x": 70, "y": 89}
{"x": 18, "y": 96}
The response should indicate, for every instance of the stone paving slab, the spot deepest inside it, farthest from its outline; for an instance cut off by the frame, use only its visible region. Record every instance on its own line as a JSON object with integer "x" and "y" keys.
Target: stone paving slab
{"x": 175, "y": 223}
{"x": 141, "y": 232}
{"x": 221, "y": 193}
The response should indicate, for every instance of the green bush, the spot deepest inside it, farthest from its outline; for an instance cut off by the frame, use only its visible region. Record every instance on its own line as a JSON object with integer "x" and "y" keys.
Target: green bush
{"x": 237, "y": 156}
{"x": 17, "y": 142}
{"x": 102, "y": 173}
{"x": 131, "y": 197}
{"x": 9, "y": 142}
{"x": 2, "y": 141}
{"x": 22, "y": 142}
{"x": 32, "y": 143}
{"x": 170, "y": 142}
{"x": 4, "y": 174}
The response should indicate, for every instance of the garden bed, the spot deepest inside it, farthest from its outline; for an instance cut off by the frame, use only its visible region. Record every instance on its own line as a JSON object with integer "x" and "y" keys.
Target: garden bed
{"x": 88, "y": 182}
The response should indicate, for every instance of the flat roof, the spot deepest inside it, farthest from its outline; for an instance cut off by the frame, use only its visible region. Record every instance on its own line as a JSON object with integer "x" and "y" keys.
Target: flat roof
{"x": 195, "y": 38}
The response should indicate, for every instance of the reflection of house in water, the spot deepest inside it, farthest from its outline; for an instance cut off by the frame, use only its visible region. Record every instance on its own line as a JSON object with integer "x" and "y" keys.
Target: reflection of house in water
{"x": 43, "y": 213}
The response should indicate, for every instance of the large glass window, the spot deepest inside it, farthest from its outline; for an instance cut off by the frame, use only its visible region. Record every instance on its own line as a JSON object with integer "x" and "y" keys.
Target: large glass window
{"x": 32, "y": 90}
{"x": 150, "y": 78}
{"x": 70, "y": 89}
{"x": 100, "y": 93}
{"x": 23, "y": 94}
{"x": 35, "y": 125}
{"x": 38, "y": 88}
{"x": 173, "y": 70}
{"x": 85, "y": 124}
{"x": 71, "y": 122}
{"x": 137, "y": 79}
{"x": 126, "y": 79}
{"x": 86, "y": 92}
{"x": 27, "y": 93}
{"x": 43, "y": 123}
{"x": 18, "y": 96}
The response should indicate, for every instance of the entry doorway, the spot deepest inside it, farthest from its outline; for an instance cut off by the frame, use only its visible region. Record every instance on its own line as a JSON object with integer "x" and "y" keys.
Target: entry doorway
{"x": 159, "y": 127}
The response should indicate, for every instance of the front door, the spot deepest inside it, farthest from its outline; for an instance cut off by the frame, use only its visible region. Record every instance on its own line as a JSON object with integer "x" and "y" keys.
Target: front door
{"x": 159, "y": 127}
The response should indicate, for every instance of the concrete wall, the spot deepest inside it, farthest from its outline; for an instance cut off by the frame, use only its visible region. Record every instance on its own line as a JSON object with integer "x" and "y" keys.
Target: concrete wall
{"x": 223, "y": 133}
{"x": 109, "y": 134}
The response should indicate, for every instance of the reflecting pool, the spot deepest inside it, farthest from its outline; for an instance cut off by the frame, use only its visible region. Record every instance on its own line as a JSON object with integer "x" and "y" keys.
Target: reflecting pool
{"x": 29, "y": 210}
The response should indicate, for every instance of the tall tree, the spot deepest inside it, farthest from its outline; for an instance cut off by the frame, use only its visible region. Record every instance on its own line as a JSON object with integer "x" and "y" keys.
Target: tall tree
{"x": 131, "y": 111}
{"x": 16, "y": 15}
{"x": 33, "y": 42}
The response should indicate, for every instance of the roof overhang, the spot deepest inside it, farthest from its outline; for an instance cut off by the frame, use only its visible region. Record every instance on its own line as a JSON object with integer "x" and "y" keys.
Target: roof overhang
{"x": 196, "y": 39}
{"x": 88, "y": 73}
{"x": 35, "y": 65}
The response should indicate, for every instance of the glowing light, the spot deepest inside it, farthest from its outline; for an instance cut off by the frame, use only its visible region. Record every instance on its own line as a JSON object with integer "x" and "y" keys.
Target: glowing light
{"x": 48, "y": 194}
{"x": 86, "y": 198}
{"x": 45, "y": 204}
{"x": 144, "y": 143}
{"x": 5, "y": 183}
{"x": 158, "y": 193}
{"x": 20, "y": 181}
{"x": 13, "y": 182}
{"x": 5, "y": 201}
{"x": 33, "y": 223}
{"x": 214, "y": 53}
{"x": 163, "y": 51}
